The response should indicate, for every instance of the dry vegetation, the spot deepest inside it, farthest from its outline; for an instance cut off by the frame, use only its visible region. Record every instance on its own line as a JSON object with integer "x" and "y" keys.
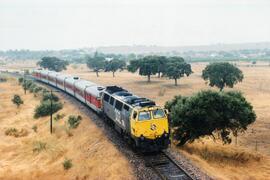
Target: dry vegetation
{"x": 37, "y": 154}
{"x": 224, "y": 162}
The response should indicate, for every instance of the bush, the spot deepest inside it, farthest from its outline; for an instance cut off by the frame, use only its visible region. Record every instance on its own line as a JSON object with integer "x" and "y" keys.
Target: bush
{"x": 74, "y": 121}
{"x": 16, "y": 133}
{"x": 59, "y": 116}
{"x": 3, "y": 79}
{"x": 17, "y": 100}
{"x": 48, "y": 96}
{"x": 34, "y": 127}
{"x": 20, "y": 80}
{"x": 44, "y": 109}
{"x": 209, "y": 113}
{"x": 67, "y": 164}
{"x": 39, "y": 146}
{"x": 32, "y": 87}
{"x": 37, "y": 89}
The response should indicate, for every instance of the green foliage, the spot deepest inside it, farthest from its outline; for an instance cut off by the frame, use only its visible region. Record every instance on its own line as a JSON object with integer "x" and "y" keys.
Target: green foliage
{"x": 3, "y": 79}
{"x": 39, "y": 146}
{"x": 96, "y": 63}
{"x": 44, "y": 109}
{"x": 74, "y": 121}
{"x": 147, "y": 66}
{"x": 20, "y": 80}
{"x": 176, "y": 68}
{"x": 53, "y": 63}
{"x": 209, "y": 113}
{"x": 47, "y": 96}
{"x": 222, "y": 74}
{"x": 32, "y": 87}
{"x": 59, "y": 116}
{"x": 67, "y": 164}
{"x": 27, "y": 84}
{"x": 17, "y": 100}
{"x": 114, "y": 65}
{"x": 15, "y": 132}
{"x": 34, "y": 127}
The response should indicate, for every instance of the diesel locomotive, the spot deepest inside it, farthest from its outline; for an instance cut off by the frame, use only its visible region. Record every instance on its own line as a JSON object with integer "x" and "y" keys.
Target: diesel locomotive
{"x": 139, "y": 120}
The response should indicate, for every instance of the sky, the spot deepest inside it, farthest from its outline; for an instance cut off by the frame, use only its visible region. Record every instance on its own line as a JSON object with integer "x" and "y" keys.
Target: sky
{"x": 66, "y": 24}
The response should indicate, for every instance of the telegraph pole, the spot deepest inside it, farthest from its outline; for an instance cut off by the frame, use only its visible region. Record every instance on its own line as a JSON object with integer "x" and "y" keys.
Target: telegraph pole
{"x": 51, "y": 129}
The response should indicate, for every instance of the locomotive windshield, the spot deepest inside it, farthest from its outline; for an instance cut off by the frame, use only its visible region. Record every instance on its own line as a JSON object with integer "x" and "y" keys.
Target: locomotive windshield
{"x": 158, "y": 113}
{"x": 144, "y": 115}
{"x": 153, "y": 114}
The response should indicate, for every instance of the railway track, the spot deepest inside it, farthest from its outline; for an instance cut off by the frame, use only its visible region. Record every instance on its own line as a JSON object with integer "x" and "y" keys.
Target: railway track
{"x": 166, "y": 167}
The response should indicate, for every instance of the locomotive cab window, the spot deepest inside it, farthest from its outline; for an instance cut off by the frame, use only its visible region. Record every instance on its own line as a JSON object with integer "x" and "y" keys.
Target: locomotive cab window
{"x": 106, "y": 97}
{"x": 112, "y": 101}
{"x": 144, "y": 115}
{"x": 158, "y": 113}
{"x": 135, "y": 114}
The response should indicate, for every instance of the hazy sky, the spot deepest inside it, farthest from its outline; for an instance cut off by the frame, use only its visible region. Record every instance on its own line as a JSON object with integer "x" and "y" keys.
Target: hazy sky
{"x": 61, "y": 24}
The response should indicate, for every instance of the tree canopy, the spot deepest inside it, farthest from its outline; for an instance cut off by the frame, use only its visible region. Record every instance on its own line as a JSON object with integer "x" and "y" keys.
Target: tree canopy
{"x": 97, "y": 63}
{"x": 209, "y": 113}
{"x": 147, "y": 66}
{"x": 17, "y": 100}
{"x": 53, "y": 63}
{"x": 114, "y": 65}
{"x": 222, "y": 74}
{"x": 176, "y": 67}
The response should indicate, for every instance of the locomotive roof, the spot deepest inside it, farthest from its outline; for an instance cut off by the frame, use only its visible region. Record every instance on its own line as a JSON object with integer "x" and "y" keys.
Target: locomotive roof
{"x": 129, "y": 98}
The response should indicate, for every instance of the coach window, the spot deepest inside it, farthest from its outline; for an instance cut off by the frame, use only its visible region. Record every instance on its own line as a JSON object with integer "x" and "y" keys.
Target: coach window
{"x": 118, "y": 105}
{"x": 106, "y": 97}
{"x": 112, "y": 101}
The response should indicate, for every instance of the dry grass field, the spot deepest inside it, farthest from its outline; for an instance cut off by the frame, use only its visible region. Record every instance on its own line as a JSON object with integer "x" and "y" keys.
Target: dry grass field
{"x": 246, "y": 160}
{"x": 249, "y": 159}
{"x": 39, "y": 155}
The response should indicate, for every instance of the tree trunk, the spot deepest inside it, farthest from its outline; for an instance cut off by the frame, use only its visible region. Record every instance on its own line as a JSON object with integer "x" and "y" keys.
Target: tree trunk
{"x": 175, "y": 81}
{"x": 148, "y": 78}
{"x": 113, "y": 73}
{"x": 97, "y": 73}
{"x": 159, "y": 74}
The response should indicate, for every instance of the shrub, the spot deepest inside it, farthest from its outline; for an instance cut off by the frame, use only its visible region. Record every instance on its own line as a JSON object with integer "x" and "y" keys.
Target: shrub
{"x": 37, "y": 89}
{"x": 17, "y": 100}
{"x": 59, "y": 116}
{"x": 48, "y": 96}
{"x": 209, "y": 113}
{"x": 2, "y": 79}
{"x": 34, "y": 127}
{"x": 74, "y": 121}
{"x": 39, "y": 146}
{"x": 20, "y": 80}
{"x": 32, "y": 87}
{"x": 44, "y": 109}
{"x": 16, "y": 133}
{"x": 67, "y": 164}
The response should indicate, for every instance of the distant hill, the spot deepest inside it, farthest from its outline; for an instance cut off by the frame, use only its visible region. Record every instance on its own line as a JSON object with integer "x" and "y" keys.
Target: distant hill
{"x": 141, "y": 49}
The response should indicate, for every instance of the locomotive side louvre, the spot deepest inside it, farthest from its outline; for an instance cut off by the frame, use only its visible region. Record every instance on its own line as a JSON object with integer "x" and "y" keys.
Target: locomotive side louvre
{"x": 117, "y": 111}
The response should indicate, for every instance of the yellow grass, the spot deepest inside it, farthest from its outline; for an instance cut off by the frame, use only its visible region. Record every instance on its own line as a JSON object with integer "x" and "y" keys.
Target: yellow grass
{"x": 40, "y": 155}
{"x": 256, "y": 88}
{"x": 221, "y": 162}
